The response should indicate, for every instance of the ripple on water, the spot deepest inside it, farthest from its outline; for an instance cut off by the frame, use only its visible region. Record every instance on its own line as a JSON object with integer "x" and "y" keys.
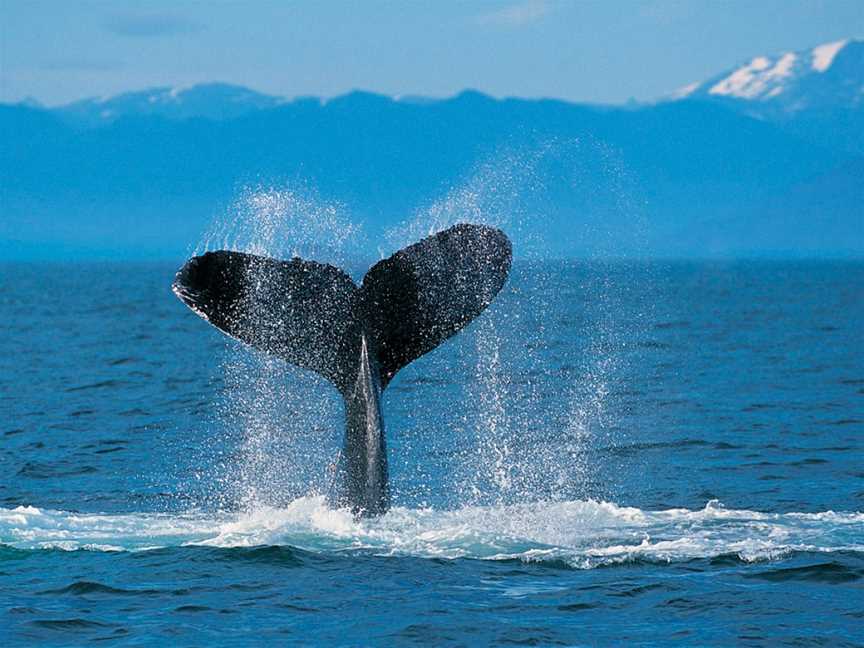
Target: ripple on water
{"x": 34, "y": 470}
{"x": 72, "y": 625}
{"x": 831, "y": 572}
{"x": 84, "y": 588}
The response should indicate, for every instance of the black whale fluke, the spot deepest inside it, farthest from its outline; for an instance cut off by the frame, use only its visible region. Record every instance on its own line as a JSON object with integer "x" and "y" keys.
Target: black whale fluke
{"x": 314, "y": 316}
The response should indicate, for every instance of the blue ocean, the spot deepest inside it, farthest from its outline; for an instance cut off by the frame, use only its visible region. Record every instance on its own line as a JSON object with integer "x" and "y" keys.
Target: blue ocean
{"x": 614, "y": 453}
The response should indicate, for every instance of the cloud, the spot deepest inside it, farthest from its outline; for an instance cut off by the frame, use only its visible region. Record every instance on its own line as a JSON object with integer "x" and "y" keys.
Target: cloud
{"x": 151, "y": 25}
{"x": 516, "y": 15}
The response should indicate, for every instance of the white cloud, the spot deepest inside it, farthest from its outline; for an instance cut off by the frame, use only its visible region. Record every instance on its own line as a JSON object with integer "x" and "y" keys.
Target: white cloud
{"x": 516, "y": 15}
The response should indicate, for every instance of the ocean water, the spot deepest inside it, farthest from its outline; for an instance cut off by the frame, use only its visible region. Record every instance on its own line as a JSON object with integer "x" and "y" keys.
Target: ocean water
{"x": 614, "y": 453}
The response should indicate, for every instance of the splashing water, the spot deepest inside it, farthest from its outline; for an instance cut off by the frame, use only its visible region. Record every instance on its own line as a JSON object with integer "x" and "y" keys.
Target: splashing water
{"x": 581, "y": 534}
{"x": 511, "y": 451}
{"x": 289, "y": 419}
{"x": 284, "y": 223}
{"x": 494, "y": 195}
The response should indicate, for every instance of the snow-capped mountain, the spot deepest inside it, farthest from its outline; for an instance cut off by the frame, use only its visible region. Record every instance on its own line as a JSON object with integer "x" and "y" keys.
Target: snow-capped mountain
{"x": 816, "y": 94}
{"x": 210, "y": 100}
{"x": 829, "y": 76}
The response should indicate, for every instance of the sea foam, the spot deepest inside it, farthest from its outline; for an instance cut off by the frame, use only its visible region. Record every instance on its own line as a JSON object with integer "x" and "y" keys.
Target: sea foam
{"x": 581, "y": 534}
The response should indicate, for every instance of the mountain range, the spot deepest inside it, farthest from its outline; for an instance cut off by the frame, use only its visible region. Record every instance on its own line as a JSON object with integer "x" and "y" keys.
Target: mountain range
{"x": 765, "y": 159}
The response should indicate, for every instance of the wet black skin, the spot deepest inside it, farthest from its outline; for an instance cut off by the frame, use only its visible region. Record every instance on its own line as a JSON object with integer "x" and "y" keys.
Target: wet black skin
{"x": 365, "y": 488}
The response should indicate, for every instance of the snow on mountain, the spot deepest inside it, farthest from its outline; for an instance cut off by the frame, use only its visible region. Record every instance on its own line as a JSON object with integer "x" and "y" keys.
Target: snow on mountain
{"x": 823, "y": 55}
{"x": 210, "y": 101}
{"x": 829, "y": 76}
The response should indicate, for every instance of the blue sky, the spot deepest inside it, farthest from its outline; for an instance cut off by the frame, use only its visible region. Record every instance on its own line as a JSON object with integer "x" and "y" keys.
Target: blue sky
{"x": 62, "y": 50}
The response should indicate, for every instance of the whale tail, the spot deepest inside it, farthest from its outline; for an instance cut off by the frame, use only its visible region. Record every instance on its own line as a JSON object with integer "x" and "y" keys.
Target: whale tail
{"x": 314, "y": 316}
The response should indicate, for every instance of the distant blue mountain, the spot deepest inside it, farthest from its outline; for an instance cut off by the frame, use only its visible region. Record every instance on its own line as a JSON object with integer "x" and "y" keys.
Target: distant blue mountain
{"x": 141, "y": 175}
{"x": 210, "y": 101}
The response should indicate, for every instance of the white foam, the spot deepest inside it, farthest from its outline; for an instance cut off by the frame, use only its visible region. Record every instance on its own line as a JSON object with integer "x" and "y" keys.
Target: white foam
{"x": 582, "y": 533}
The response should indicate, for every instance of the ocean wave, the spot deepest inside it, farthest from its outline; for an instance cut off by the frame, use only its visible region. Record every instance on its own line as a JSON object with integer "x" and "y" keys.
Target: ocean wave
{"x": 581, "y": 534}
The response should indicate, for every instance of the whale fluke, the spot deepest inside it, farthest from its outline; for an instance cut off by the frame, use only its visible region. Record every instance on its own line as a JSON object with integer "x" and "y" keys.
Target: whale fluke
{"x": 427, "y": 292}
{"x": 302, "y": 311}
{"x": 314, "y": 316}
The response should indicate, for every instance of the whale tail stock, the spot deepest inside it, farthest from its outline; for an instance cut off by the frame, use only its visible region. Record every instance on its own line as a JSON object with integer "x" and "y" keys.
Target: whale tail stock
{"x": 314, "y": 316}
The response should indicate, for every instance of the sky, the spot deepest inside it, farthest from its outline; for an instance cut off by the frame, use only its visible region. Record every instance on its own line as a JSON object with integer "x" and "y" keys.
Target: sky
{"x": 607, "y": 51}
